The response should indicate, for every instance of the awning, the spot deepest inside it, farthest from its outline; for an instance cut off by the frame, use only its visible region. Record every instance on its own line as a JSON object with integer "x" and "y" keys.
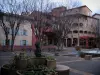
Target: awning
{"x": 85, "y": 37}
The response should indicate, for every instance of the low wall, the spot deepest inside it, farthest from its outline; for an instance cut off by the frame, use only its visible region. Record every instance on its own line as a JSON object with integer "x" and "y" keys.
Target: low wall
{"x": 16, "y": 48}
{"x": 27, "y": 48}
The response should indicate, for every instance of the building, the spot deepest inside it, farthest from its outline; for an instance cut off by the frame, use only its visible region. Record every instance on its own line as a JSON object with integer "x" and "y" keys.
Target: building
{"x": 24, "y": 38}
{"x": 83, "y": 28}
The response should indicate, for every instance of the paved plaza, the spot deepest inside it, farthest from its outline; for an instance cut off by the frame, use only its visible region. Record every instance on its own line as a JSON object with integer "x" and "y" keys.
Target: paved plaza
{"x": 78, "y": 66}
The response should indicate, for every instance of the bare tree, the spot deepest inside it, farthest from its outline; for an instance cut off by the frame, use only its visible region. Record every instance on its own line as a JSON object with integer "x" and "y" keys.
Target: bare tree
{"x": 40, "y": 12}
{"x": 72, "y": 3}
{"x": 11, "y": 20}
{"x": 4, "y": 27}
{"x": 64, "y": 22}
{"x": 62, "y": 27}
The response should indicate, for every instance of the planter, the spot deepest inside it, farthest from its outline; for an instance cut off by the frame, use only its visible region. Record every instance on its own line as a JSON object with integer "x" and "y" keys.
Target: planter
{"x": 88, "y": 57}
{"x": 30, "y": 61}
{"x": 24, "y": 73}
{"x": 7, "y": 70}
{"x": 21, "y": 63}
{"x": 39, "y": 61}
{"x": 18, "y": 72}
{"x": 51, "y": 64}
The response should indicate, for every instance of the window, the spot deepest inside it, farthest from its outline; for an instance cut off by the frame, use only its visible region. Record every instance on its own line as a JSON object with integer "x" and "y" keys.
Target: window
{"x": 19, "y": 32}
{"x": 24, "y": 32}
{"x": 81, "y": 24}
{"x": 93, "y": 32}
{"x": 70, "y": 31}
{"x": 89, "y": 32}
{"x": 10, "y": 42}
{"x": 10, "y": 32}
{"x": 3, "y": 42}
{"x": 81, "y": 31}
{"x": 75, "y": 24}
{"x": 23, "y": 42}
{"x": 82, "y": 42}
{"x": 75, "y": 40}
{"x": 85, "y": 32}
{"x": 75, "y": 31}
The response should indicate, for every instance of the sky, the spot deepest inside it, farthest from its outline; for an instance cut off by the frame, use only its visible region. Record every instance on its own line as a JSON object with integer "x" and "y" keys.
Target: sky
{"x": 93, "y": 5}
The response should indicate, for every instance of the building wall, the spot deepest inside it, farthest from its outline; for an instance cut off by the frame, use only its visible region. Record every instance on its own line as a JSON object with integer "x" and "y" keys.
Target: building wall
{"x": 87, "y": 26}
{"x": 80, "y": 10}
{"x": 86, "y": 11}
{"x": 98, "y": 25}
{"x": 25, "y": 26}
{"x": 58, "y": 11}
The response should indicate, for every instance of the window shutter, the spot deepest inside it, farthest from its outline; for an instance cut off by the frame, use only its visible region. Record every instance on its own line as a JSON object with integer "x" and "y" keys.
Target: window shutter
{"x": 18, "y": 32}
{"x": 21, "y": 32}
{"x": 20, "y": 42}
{"x": 10, "y": 42}
{"x": 26, "y": 32}
{"x": 3, "y": 42}
{"x": 10, "y": 31}
{"x": 26, "y": 42}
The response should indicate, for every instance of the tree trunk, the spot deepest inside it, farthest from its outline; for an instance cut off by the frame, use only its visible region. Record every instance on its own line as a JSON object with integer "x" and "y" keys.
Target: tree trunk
{"x": 61, "y": 43}
{"x": 12, "y": 44}
{"x": 58, "y": 45}
{"x": 7, "y": 42}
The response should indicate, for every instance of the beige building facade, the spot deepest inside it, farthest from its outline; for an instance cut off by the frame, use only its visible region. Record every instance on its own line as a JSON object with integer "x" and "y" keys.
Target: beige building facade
{"x": 23, "y": 38}
{"x": 83, "y": 26}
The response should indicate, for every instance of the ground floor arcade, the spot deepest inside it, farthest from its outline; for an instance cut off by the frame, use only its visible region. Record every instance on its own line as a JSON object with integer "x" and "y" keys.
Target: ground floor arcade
{"x": 88, "y": 42}
{"x": 84, "y": 41}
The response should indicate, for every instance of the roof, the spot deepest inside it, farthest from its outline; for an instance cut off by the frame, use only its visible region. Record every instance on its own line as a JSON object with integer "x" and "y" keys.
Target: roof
{"x": 80, "y": 7}
{"x": 16, "y": 15}
{"x": 72, "y": 8}
{"x": 96, "y": 14}
{"x": 59, "y": 7}
{"x": 78, "y": 15}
